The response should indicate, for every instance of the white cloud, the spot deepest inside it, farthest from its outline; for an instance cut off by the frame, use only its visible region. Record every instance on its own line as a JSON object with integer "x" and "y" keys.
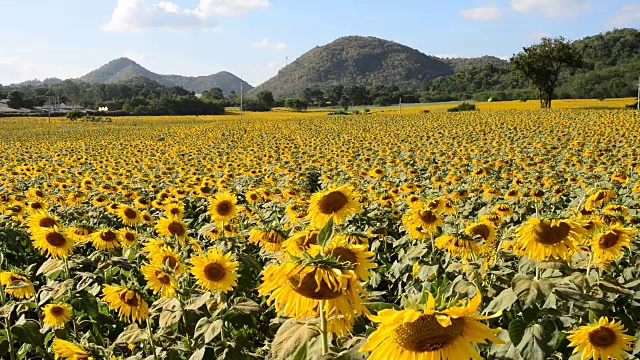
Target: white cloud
{"x": 552, "y": 8}
{"x": 137, "y": 57}
{"x": 538, "y": 35}
{"x": 486, "y": 13}
{"x": 139, "y": 15}
{"x": 627, "y": 16}
{"x": 275, "y": 64}
{"x": 14, "y": 70}
{"x": 267, "y": 44}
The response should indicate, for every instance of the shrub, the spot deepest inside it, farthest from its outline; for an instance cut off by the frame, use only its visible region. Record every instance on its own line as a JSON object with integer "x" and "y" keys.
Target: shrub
{"x": 463, "y": 107}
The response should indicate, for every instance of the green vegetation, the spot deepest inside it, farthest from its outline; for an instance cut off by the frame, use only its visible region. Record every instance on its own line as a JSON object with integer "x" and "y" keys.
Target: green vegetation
{"x": 463, "y": 107}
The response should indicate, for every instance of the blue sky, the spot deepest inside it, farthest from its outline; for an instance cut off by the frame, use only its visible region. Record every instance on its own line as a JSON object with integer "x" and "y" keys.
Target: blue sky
{"x": 68, "y": 38}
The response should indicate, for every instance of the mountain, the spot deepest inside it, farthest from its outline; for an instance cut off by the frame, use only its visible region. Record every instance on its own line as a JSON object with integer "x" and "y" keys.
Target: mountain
{"x": 124, "y": 69}
{"x": 459, "y": 64}
{"x": 37, "y": 82}
{"x": 356, "y": 60}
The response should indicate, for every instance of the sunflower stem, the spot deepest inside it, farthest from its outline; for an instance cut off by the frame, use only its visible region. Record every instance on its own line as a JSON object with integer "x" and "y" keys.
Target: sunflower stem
{"x": 151, "y": 341}
{"x": 537, "y": 270}
{"x": 323, "y": 329}
{"x": 7, "y": 325}
{"x": 589, "y": 263}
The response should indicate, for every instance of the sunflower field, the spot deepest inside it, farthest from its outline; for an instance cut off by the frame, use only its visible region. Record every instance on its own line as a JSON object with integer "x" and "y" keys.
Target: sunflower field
{"x": 505, "y": 234}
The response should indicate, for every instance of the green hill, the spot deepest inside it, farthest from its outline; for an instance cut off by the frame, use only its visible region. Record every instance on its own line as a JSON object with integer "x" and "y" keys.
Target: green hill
{"x": 356, "y": 60}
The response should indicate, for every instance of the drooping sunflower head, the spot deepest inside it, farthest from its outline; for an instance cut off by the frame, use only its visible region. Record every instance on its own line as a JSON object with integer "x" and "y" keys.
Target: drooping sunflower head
{"x": 56, "y": 315}
{"x": 338, "y": 203}
{"x": 357, "y": 256}
{"x": 222, "y": 207}
{"x": 462, "y": 246}
{"x": 271, "y": 240}
{"x": 602, "y": 340}
{"x": 215, "y": 271}
{"x": 53, "y": 242}
{"x": 503, "y": 210}
{"x": 130, "y": 304}
{"x": 598, "y": 199}
{"x": 447, "y": 335}
{"x": 300, "y": 242}
{"x": 68, "y": 350}
{"x": 165, "y": 256}
{"x": 541, "y": 239}
{"x": 16, "y": 285}
{"x": 159, "y": 281}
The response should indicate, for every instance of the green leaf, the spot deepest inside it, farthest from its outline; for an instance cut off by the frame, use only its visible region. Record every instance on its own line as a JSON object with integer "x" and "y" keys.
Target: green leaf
{"x": 516, "y": 331}
{"x": 378, "y": 306}
{"x": 198, "y": 354}
{"x": 501, "y": 302}
{"x": 326, "y": 233}
{"x": 197, "y": 302}
{"x": 49, "y": 267}
{"x": 301, "y": 353}
{"x": 27, "y": 332}
{"x": 539, "y": 341}
{"x": 290, "y": 336}
{"x": 245, "y": 306}
{"x": 208, "y": 328}
{"x": 132, "y": 334}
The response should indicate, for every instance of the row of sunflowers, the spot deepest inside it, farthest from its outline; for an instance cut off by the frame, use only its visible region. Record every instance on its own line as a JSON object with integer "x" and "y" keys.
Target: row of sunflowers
{"x": 490, "y": 235}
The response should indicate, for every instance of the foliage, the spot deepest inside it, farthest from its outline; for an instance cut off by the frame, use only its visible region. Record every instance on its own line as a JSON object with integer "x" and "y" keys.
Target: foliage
{"x": 542, "y": 64}
{"x": 295, "y": 104}
{"x": 463, "y": 107}
{"x": 75, "y": 115}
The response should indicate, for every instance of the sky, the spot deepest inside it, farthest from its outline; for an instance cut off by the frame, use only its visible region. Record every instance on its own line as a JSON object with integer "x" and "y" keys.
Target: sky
{"x": 254, "y": 38}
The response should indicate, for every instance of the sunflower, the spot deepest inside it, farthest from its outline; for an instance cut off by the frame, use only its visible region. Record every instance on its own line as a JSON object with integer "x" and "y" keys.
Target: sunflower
{"x": 34, "y": 207}
{"x": 598, "y": 199}
{"x": 53, "y": 241}
{"x": 354, "y": 239}
{"x": 429, "y": 335}
{"x": 462, "y": 246}
{"x": 222, "y": 207}
{"x": 357, "y": 255}
{"x": 377, "y": 173}
{"x": 128, "y": 215}
{"x": 128, "y": 302}
{"x": 215, "y": 271}
{"x": 252, "y": 197}
{"x": 616, "y": 210}
{"x": 296, "y": 291}
{"x": 603, "y": 340}
{"x": 165, "y": 256}
{"x": 556, "y": 238}
{"x": 336, "y": 202}
{"x": 503, "y": 210}
{"x": 128, "y": 237}
{"x": 16, "y": 285}
{"x": 106, "y": 239}
{"x": 174, "y": 210}
{"x": 56, "y": 315}
{"x": 300, "y": 242}
{"x": 171, "y": 227}
{"x": 42, "y": 220}
{"x": 159, "y": 281}
{"x": 269, "y": 239}
{"x": 100, "y": 201}
{"x": 68, "y": 350}
{"x": 483, "y": 230}
{"x": 512, "y": 194}
{"x": 421, "y": 224}
{"x": 607, "y": 246}
{"x": 79, "y": 234}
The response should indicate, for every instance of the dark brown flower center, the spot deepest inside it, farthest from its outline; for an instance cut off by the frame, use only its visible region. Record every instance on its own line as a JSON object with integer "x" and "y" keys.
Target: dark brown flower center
{"x": 214, "y": 272}
{"x": 481, "y": 230}
{"x": 224, "y": 208}
{"x": 47, "y": 222}
{"x": 163, "y": 278}
{"x": 170, "y": 261}
{"x": 308, "y": 287}
{"x": 56, "y": 310}
{"x": 602, "y": 337}
{"x": 427, "y": 216}
{"x": 427, "y": 335}
{"x": 608, "y": 240}
{"x": 550, "y": 235}
{"x": 130, "y": 213}
{"x": 130, "y": 298}
{"x": 36, "y": 205}
{"x": 130, "y": 237}
{"x": 176, "y": 228}
{"x": 332, "y": 202}
{"x": 108, "y": 236}
{"x": 55, "y": 239}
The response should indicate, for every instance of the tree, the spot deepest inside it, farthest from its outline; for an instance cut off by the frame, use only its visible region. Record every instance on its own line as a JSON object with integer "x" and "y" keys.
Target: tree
{"x": 266, "y": 97}
{"x": 542, "y": 64}
{"x": 344, "y": 103}
{"x": 295, "y": 104}
{"x": 213, "y": 94}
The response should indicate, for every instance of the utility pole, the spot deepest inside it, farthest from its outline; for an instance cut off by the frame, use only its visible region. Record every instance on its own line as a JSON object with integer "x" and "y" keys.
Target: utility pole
{"x": 400, "y": 105}
{"x": 638, "y": 94}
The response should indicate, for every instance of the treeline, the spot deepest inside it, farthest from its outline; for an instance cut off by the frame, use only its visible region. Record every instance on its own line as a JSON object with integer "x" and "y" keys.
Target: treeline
{"x": 137, "y": 96}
